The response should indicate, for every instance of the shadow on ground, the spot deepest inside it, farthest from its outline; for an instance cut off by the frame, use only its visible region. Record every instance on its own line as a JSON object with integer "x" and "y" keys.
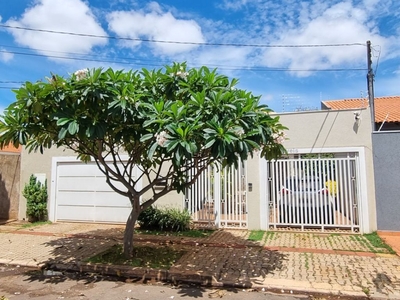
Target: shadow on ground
{"x": 223, "y": 259}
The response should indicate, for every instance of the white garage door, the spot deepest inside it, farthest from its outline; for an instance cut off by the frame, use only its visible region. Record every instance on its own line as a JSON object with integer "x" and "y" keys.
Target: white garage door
{"x": 82, "y": 194}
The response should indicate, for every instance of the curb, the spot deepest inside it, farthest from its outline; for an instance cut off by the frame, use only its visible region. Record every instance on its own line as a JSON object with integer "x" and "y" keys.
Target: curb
{"x": 205, "y": 280}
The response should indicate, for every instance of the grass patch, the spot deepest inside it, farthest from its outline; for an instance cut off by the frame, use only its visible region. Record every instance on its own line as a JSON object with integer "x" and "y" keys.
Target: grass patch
{"x": 377, "y": 242}
{"x": 34, "y": 224}
{"x": 161, "y": 257}
{"x": 195, "y": 233}
{"x": 363, "y": 241}
{"x": 256, "y": 235}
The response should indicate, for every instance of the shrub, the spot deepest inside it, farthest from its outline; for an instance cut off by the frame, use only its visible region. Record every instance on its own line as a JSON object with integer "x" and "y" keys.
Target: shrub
{"x": 166, "y": 219}
{"x": 149, "y": 218}
{"x": 36, "y": 199}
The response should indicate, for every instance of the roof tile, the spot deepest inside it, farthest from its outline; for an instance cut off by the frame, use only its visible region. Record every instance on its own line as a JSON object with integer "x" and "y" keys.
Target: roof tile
{"x": 386, "y": 108}
{"x": 11, "y": 148}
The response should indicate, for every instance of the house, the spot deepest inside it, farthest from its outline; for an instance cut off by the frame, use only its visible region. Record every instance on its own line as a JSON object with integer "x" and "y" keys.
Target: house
{"x": 387, "y": 110}
{"x": 246, "y": 197}
{"x": 9, "y": 182}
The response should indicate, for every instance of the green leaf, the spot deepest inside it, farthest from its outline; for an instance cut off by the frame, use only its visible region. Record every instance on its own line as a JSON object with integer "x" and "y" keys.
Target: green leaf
{"x": 152, "y": 150}
{"x": 171, "y": 144}
{"x": 73, "y": 127}
{"x": 62, "y": 133}
{"x": 22, "y": 138}
{"x": 178, "y": 157}
{"x": 63, "y": 121}
{"x": 90, "y": 131}
{"x": 37, "y": 107}
{"x": 210, "y": 142}
{"x": 146, "y": 137}
{"x": 179, "y": 131}
{"x": 96, "y": 74}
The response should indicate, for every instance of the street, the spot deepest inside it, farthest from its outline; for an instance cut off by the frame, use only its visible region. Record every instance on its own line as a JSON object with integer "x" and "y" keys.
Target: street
{"x": 22, "y": 283}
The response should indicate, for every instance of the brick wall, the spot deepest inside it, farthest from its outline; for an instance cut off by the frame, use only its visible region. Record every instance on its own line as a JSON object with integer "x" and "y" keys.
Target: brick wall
{"x": 9, "y": 185}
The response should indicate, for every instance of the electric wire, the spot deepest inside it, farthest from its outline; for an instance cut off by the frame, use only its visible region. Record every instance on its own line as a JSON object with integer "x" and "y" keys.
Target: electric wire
{"x": 141, "y": 62}
{"x": 232, "y": 68}
{"x": 180, "y": 42}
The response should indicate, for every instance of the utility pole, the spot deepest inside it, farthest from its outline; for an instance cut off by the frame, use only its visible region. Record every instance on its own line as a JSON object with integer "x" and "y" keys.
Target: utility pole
{"x": 370, "y": 85}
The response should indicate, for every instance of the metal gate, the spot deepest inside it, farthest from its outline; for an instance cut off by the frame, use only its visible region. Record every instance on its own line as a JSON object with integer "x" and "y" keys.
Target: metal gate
{"x": 314, "y": 191}
{"x": 219, "y": 198}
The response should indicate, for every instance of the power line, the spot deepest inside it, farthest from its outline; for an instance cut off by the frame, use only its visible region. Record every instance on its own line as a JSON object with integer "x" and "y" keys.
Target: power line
{"x": 138, "y": 61}
{"x": 183, "y": 43}
{"x": 73, "y": 58}
{"x": 146, "y": 62}
{"x": 232, "y": 68}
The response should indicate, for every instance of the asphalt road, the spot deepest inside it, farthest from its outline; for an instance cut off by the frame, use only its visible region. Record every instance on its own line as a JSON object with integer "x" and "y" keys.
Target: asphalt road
{"x": 22, "y": 284}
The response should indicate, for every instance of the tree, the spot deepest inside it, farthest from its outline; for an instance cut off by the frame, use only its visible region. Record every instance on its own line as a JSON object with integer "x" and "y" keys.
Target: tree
{"x": 166, "y": 121}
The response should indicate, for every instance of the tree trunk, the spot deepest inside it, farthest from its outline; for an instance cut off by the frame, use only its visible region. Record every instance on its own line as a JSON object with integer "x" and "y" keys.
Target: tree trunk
{"x": 129, "y": 228}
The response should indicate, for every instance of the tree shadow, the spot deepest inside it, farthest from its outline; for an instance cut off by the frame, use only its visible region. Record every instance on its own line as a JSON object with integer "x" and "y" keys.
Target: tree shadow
{"x": 232, "y": 262}
{"x": 383, "y": 283}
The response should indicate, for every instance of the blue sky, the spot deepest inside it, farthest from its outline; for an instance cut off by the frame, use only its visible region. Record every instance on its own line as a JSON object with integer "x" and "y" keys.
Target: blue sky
{"x": 218, "y": 34}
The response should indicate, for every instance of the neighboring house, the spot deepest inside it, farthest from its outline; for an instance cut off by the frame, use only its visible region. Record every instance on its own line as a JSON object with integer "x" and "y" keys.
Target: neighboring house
{"x": 387, "y": 110}
{"x": 9, "y": 182}
{"x": 10, "y": 149}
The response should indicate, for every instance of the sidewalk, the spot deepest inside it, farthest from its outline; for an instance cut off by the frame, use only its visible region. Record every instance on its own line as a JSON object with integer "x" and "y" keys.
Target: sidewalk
{"x": 289, "y": 262}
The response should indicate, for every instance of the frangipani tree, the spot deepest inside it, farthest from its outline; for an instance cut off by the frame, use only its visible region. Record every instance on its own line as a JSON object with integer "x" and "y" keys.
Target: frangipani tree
{"x": 165, "y": 121}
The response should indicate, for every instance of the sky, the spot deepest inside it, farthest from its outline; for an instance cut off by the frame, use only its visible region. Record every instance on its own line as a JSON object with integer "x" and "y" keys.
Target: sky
{"x": 292, "y": 53}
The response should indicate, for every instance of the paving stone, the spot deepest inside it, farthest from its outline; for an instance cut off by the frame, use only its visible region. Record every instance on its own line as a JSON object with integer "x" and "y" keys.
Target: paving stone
{"x": 229, "y": 257}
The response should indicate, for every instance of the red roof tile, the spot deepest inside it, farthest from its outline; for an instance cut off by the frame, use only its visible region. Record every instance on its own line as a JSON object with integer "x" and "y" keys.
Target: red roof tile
{"x": 11, "y": 148}
{"x": 386, "y": 108}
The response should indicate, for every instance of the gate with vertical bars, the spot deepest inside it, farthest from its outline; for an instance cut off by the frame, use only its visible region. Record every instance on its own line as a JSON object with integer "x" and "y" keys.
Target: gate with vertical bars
{"x": 314, "y": 191}
{"x": 218, "y": 198}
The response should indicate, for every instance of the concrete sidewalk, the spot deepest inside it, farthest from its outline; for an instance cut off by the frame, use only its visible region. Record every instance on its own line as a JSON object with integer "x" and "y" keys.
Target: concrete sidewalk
{"x": 288, "y": 262}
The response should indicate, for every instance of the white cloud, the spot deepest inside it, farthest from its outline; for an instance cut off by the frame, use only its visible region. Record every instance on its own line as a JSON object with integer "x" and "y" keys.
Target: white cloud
{"x": 340, "y": 23}
{"x": 58, "y": 15}
{"x": 233, "y": 4}
{"x": 153, "y": 24}
{"x": 5, "y": 56}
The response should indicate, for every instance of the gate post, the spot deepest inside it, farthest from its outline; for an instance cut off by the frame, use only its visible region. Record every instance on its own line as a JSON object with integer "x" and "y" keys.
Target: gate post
{"x": 264, "y": 207}
{"x": 216, "y": 195}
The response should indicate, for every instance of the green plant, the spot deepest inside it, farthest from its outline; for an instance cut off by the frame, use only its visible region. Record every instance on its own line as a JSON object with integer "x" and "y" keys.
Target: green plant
{"x": 36, "y": 199}
{"x": 366, "y": 290}
{"x": 377, "y": 242}
{"x": 166, "y": 219}
{"x": 39, "y": 223}
{"x": 194, "y": 233}
{"x": 256, "y": 235}
{"x": 148, "y": 219}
